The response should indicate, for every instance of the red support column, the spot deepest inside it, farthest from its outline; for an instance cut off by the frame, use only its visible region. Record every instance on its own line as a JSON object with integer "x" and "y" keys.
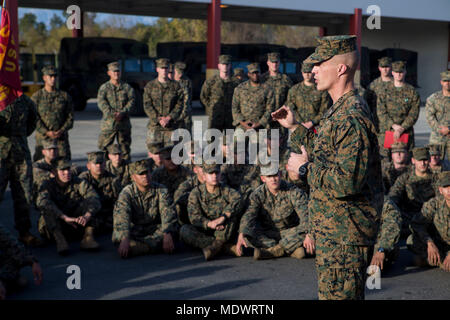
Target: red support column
{"x": 355, "y": 29}
{"x": 213, "y": 45}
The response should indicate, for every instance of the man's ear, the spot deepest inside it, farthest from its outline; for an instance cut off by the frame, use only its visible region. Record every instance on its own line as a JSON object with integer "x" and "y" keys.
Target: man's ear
{"x": 342, "y": 68}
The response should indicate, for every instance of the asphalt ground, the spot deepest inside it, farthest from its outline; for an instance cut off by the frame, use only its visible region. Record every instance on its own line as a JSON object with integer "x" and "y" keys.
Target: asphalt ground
{"x": 185, "y": 274}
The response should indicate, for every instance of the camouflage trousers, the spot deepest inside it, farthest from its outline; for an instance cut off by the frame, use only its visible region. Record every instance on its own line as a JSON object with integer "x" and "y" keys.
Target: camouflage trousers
{"x": 62, "y": 143}
{"x": 200, "y": 238}
{"x": 155, "y": 134}
{"x": 290, "y": 239}
{"x": 19, "y": 176}
{"x": 106, "y": 138}
{"x": 419, "y": 247}
{"x": 341, "y": 271}
{"x": 152, "y": 235}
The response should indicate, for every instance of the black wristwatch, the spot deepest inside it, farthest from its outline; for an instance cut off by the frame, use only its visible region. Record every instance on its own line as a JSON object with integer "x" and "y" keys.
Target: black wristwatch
{"x": 225, "y": 216}
{"x": 303, "y": 170}
{"x": 381, "y": 249}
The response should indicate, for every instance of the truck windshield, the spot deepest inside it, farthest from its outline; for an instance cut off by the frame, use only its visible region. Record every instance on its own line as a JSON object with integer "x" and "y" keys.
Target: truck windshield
{"x": 148, "y": 65}
{"x": 132, "y": 65}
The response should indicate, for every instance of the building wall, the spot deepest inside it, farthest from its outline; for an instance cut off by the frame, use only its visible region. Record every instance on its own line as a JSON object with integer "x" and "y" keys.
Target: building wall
{"x": 429, "y": 39}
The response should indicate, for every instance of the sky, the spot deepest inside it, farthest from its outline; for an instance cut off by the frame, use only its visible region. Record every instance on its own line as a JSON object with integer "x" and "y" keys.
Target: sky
{"x": 45, "y": 15}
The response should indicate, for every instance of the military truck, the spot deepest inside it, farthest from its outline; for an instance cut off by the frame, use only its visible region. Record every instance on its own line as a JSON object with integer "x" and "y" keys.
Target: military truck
{"x": 82, "y": 67}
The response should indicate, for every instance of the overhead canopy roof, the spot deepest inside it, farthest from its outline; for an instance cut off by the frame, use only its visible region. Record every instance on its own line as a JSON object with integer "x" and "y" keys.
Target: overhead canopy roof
{"x": 284, "y": 12}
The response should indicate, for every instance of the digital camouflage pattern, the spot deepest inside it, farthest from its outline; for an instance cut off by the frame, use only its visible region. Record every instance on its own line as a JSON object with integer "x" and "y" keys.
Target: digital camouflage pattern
{"x": 345, "y": 181}
{"x": 437, "y": 110}
{"x": 55, "y": 112}
{"x": 13, "y": 256}
{"x": 186, "y": 114}
{"x": 330, "y": 46}
{"x": 217, "y": 96}
{"x": 122, "y": 171}
{"x": 162, "y": 100}
{"x": 376, "y": 88}
{"x": 144, "y": 216}
{"x": 42, "y": 171}
{"x": 410, "y": 192}
{"x": 276, "y": 219}
{"x": 280, "y": 84}
{"x": 73, "y": 200}
{"x": 390, "y": 227}
{"x": 17, "y": 122}
{"x": 253, "y": 104}
{"x": 181, "y": 195}
{"x": 112, "y": 99}
{"x": 204, "y": 207}
{"x": 398, "y": 106}
{"x": 108, "y": 187}
{"x": 390, "y": 174}
{"x": 171, "y": 180}
{"x": 432, "y": 223}
{"x": 307, "y": 103}
{"x": 241, "y": 177}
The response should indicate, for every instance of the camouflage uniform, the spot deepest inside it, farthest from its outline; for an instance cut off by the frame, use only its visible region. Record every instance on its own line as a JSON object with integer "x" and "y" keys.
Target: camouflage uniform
{"x": 108, "y": 187}
{"x": 217, "y": 95}
{"x": 186, "y": 84}
{"x": 397, "y": 106}
{"x": 122, "y": 171}
{"x": 73, "y": 200}
{"x": 181, "y": 195}
{"x": 112, "y": 99}
{"x": 239, "y": 75}
{"x": 42, "y": 170}
{"x": 241, "y": 177}
{"x": 144, "y": 216}
{"x": 389, "y": 231}
{"x": 55, "y": 112}
{"x": 171, "y": 180}
{"x": 161, "y": 100}
{"x": 307, "y": 103}
{"x": 432, "y": 223}
{"x": 438, "y": 114}
{"x": 13, "y": 257}
{"x": 280, "y": 84}
{"x": 444, "y": 165}
{"x": 276, "y": 219}
{"x": 253, "y": 104}
{"x": 390, "y": 174}
{"x": 17, "y": 122}
{"x": 346, "y": 186}
{"x": 204, "y": 207}
{"x": 377, "y": 88}
{"x": 410, "y": 192}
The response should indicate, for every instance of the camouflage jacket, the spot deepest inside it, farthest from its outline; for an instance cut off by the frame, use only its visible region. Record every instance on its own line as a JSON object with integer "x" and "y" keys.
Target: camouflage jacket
{"x": 107, "y": 187}
{"x": 253, "y": 104}
{"x": 307, "y": 103}
{"x": 55, "y": 111}
{"x": 398, "y": 106}
{"x": 241, "y": 177}
{"x": 162, "y": 100}
{"x": 280, "y": 84}
{"x": 390, "y": 226}
{"x": 58, "y": 200}
{"x": 135, "y": 208}
{"x": 433, "y": 223}
{"x": 12, "y": 250}
{"x": 184, "y": 189}
{"x": 41, "y": 172}
{"x": 111, "y": 99}
{"x": 186, "y": 85}
{"x": 171, "y": 180}
{"x": 344, "y": 175}
{"x": 437, "y": 111}
{"x": 204, "y": 206}
{"x": 376, "y": 88}
{"x": 390, "y": 174}
{"x": 217, "y": 95}
{"x": 123, "y": 172}
{"x": 287, "y": 209}
{"x": 410, "y": 191}
{"x": 17, "y": 122}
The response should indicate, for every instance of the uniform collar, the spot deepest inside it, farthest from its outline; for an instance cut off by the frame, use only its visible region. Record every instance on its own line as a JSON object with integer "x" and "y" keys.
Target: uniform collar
{"x": 339, "y": 102}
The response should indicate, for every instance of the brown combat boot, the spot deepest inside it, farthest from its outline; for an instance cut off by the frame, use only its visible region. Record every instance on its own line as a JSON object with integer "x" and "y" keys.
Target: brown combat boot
{"x": 299, "y": 253}
{"x": 230, "y": 249}
{"x": 212, "y": 250}
{"x": 269, "y": 253}
{"x": 61, "y": 244}
{"x": 138, "y": 248}
{"x": 88, "y": 242}
{"x": 29, "y": 240}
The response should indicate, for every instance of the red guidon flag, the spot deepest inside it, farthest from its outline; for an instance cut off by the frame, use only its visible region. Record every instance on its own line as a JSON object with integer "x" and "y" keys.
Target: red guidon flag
{"x": 10, "y": 87}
